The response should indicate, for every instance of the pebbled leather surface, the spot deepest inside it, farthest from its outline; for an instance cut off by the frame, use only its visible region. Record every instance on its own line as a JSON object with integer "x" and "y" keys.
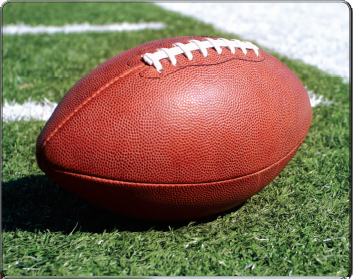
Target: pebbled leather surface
{"x": 197, "y": 139}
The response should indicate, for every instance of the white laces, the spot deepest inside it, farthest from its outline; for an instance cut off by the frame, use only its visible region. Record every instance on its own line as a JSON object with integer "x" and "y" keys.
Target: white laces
{"x": 179, "y": 48}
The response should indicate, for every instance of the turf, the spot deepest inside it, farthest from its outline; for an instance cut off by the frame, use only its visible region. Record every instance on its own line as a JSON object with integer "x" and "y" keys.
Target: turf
{"x": 59, "y": 14}
{"x": 298, "y": 225}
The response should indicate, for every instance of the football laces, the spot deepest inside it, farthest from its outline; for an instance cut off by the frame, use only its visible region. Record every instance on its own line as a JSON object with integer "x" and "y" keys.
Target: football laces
{"x": 153, "y": 59}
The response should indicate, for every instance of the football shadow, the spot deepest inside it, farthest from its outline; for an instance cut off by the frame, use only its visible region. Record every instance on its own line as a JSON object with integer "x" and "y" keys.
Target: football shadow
{"x": 37, "y": 203}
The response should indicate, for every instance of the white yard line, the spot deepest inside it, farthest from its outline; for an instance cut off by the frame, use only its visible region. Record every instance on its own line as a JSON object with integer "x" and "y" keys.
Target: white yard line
{"x": 20, "y": 29}
{"x": 27, "y": 111}
{"x": 316, "y": 99}
{"x": 317, "y": 33}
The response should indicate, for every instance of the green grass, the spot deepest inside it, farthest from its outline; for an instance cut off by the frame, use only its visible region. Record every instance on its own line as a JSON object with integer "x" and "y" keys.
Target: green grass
{"x": 298, "y": 225}
{"x": 70, "y": 12}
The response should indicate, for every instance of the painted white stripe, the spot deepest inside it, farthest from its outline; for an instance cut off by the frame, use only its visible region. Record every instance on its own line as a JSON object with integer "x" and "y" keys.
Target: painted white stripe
{"x": 20, "y": 29}
{"x": 13, "y": 111}
{"x": 318, "y": 99}
{"x": 317, "y": 33}
{"x": 27, "y": 111}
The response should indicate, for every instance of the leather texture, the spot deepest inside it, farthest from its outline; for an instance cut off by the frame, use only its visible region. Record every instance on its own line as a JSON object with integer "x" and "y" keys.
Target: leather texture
{"x": 199, "y": 138}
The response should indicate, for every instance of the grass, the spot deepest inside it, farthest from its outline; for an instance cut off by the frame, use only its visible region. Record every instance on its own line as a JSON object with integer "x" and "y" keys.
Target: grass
{"x": 298, "y": 225}
{"x": 95, "y": 13}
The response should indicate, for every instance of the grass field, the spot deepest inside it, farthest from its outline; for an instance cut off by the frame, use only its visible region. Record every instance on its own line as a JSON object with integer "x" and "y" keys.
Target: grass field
{"x": 298, "y": 225}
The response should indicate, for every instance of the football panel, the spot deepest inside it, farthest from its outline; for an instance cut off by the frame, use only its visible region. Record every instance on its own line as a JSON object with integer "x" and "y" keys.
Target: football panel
{"x": 167, "y": 202}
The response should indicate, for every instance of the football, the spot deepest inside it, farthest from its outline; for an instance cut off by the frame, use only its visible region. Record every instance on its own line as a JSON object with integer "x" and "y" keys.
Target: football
{"x": 176, "y": 129}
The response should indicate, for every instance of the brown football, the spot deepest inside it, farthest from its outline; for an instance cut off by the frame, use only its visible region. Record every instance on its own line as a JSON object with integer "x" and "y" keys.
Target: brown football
{"x": 175, "y": 129}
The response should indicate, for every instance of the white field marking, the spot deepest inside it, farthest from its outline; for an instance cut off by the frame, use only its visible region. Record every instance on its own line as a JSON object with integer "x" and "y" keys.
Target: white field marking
{"x": 317, "y": 33}
{"x": 21, "y": 28}
{"x": 12, "y": 111}
{"x": 316, "y": 99}
{"x": 261, "y": 239}
{"x": 28, "y": 110}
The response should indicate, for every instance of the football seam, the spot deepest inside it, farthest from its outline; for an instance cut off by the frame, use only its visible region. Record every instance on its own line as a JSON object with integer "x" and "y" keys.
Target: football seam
{"x": 205, "y": 65}
{"x": 90, "y": 98}
{"x": 58, "y": 170}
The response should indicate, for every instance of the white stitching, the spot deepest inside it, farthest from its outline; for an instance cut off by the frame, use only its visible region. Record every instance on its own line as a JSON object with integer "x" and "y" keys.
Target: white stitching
{"x": 185, "y": 50}
{"x": 215, "y": 44}
{"x": 201, "y": 47}
{"x": 230, "y": 46}
{"x": 170, "y": 55}
{"x": 179, "y": 48}
{"x": 236, "y": 43}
